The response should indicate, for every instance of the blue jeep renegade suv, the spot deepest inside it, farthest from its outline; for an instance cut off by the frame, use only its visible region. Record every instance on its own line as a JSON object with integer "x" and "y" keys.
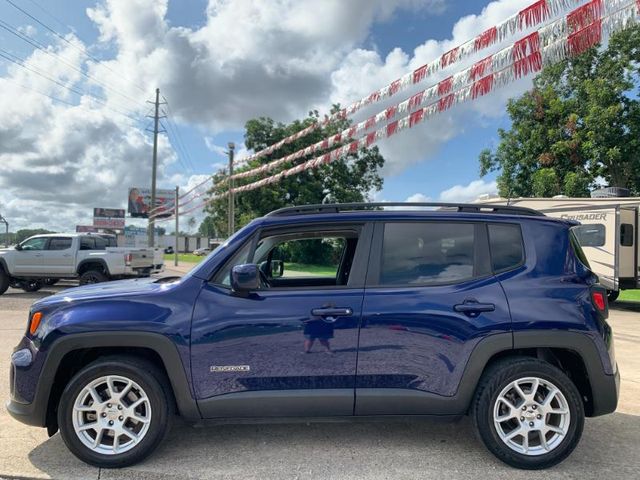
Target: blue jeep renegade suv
{"x": 422, "y": 310}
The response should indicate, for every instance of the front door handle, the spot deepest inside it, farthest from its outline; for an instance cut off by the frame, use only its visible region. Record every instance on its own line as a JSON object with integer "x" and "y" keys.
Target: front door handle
{"x": 473, "y": 308}
{"x": 331, "y": 314}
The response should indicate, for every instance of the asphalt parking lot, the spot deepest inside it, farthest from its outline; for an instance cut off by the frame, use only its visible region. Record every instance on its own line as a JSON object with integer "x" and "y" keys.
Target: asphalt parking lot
{"x": 610, "y": 446}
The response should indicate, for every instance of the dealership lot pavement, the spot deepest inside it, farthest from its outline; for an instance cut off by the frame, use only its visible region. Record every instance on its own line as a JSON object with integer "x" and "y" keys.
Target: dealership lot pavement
{"x": 379, "y": 450}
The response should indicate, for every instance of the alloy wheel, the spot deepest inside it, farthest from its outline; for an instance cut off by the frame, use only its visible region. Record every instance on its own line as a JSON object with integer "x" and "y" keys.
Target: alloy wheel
{"x": 531, "y": 416}
{"x": 111, "y": 415}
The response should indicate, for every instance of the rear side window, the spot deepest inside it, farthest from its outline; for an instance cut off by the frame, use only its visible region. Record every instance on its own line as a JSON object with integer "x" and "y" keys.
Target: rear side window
{"x": 591, "y": 235}
{"x": 63, "y": 243}
{"x": 428, "y": 253}
{"x": 87, "y": 243}
{"x": 626, "y": 235}
{"x": 505, "y": 241}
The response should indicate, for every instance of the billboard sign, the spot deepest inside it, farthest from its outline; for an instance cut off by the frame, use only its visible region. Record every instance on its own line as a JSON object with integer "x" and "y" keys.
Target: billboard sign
{"x": 140, "y": 202}
{"x": 87, "y": 229}
{"x": 108, "y": 212}
{"x": 108, "y": 218}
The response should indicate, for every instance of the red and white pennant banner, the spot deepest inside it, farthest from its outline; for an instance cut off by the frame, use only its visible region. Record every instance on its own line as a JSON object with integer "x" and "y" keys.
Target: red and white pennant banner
{"x": 527, "y": 61}
{"x": 517, "y": 54}
{"x": 529, "y": 17}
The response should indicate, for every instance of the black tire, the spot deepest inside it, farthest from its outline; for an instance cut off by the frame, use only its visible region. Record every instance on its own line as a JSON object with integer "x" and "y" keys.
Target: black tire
{"x": 92, "y": 276}
{"x": 4, "y": 281}
{"x": 50, "y": 281}
{"x": 31, "y": 285}
{"x": 612, "y": 295}
{"x": 154, "y": 384}
{"x": 498, "y": 377}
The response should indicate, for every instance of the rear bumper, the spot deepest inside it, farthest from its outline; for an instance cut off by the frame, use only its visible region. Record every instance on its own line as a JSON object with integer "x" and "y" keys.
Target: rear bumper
{"x": 605, "y": 393}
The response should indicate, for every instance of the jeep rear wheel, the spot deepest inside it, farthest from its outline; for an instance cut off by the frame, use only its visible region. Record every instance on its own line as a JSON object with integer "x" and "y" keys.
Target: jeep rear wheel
{"x": 114, "y": 413}
{"x": 92, "y": 276}
{"x": 528, "y": 413}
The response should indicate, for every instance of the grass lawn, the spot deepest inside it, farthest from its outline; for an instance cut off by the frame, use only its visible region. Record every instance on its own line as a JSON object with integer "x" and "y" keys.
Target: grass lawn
{"x": 183, "y": 257}
{"x": 312, "y": 270}
{"x": 629, "y": 296}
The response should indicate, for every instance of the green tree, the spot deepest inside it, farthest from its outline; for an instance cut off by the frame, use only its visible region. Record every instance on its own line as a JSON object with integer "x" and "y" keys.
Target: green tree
{"x": 580, "y": 123}
{"x": 348, "y": 180}
{"x": 208, "y": 228}
{"x": 25, "y": 233}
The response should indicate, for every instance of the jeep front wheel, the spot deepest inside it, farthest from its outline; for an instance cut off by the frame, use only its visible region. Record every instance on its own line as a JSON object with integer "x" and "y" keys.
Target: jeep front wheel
{"x": 114, "y": 413}
{"x": 528, "y": 413}
{"x": 92, "y": 276}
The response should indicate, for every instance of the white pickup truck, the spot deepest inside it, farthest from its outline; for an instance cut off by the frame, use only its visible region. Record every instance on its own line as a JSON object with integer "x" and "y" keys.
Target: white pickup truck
{"x": 44, "y": 259}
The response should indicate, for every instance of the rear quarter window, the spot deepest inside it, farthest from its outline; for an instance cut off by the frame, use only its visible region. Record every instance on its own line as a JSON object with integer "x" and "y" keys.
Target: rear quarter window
{"x": 507, "y": 250}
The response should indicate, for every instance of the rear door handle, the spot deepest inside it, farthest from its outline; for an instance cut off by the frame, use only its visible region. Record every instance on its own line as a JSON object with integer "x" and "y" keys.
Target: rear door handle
{"x": 473, "y": 308}
{"x": 331, "y": 314}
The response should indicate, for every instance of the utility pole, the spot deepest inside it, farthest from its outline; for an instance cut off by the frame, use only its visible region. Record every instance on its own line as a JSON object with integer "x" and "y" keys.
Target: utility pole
{"x": 6, "y": 226}
{"x": 156, "y": 122}
{"x": 232, "y": 222}
{"x": 175, "y": 211}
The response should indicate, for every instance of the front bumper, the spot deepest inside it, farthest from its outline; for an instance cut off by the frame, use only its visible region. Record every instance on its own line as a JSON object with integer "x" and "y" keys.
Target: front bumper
{"x": 27, "y": 413}
{"x": 26, "y": 403}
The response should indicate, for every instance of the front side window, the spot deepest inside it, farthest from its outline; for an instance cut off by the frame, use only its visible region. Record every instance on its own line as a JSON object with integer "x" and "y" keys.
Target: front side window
{"x": 590, "y": 235}
{"x": 428, "y": 253}
{"x": 306, "y": 257}
{"x": 34, "y": 244}
{"x": 63, "y": 243}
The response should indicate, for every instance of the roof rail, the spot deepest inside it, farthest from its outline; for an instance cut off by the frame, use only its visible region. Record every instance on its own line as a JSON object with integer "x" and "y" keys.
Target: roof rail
{"x": 458, "y": 207}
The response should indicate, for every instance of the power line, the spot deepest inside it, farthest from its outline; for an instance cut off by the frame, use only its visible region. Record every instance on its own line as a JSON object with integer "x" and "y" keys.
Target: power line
{"x": 178, "y": 135}
{"x": 22, "y": 63}
{"x": 64, "y": 39}
{"x": 34, "y": 43}
{"x": 178, "y": 154}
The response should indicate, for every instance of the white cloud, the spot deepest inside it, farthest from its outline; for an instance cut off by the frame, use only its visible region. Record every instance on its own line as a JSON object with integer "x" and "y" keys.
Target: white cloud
{"x": 468, "y": 193}
{"x": 249, "y": 58}
{"x": 363, "y": 71}
{"x": 418, "y": 198}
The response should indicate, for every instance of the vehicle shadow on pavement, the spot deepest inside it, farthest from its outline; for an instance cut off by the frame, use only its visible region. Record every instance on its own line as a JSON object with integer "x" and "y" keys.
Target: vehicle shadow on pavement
{"x": 403, "y": 449}
{"x": 628, "y": 306}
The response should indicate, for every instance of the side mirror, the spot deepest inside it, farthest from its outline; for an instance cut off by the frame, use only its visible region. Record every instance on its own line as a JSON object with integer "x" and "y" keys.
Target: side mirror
{"x": 18, "y": 247}
{"x": 277, "y": 268}
{"x": 245, "y": 278}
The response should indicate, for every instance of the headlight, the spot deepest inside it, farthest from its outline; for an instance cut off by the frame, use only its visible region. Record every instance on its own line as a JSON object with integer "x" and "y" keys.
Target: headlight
{"x": 22, "y": 358}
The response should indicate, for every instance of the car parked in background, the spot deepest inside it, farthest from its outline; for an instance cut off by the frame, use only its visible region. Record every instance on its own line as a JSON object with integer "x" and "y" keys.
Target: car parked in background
{"x": 202, "y": 252}
{"x": 45, "y": 259}
{"x": 338, "y": 311}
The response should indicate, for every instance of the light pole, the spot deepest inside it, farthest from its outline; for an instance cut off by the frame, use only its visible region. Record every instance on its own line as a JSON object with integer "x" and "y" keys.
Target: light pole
{"x": 232, "y": 222}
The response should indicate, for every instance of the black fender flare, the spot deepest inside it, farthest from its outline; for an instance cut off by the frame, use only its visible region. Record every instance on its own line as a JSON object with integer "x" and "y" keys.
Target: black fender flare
{"x": 36, "y": 412}
{"x": 92, "y": 260}
{"x": 3, "y": 266}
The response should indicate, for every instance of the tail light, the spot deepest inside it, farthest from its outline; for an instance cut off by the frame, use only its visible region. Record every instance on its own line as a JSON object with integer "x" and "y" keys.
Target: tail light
{"x": 127, "y": 259}
{"x": 599, "y": 300}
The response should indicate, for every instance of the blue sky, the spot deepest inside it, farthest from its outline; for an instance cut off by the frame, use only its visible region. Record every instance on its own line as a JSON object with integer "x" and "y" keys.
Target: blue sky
{"x": 149, "y": 46}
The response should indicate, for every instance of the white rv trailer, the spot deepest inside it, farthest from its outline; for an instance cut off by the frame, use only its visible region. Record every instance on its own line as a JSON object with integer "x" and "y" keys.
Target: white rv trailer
{"x": 608, "y": 234}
